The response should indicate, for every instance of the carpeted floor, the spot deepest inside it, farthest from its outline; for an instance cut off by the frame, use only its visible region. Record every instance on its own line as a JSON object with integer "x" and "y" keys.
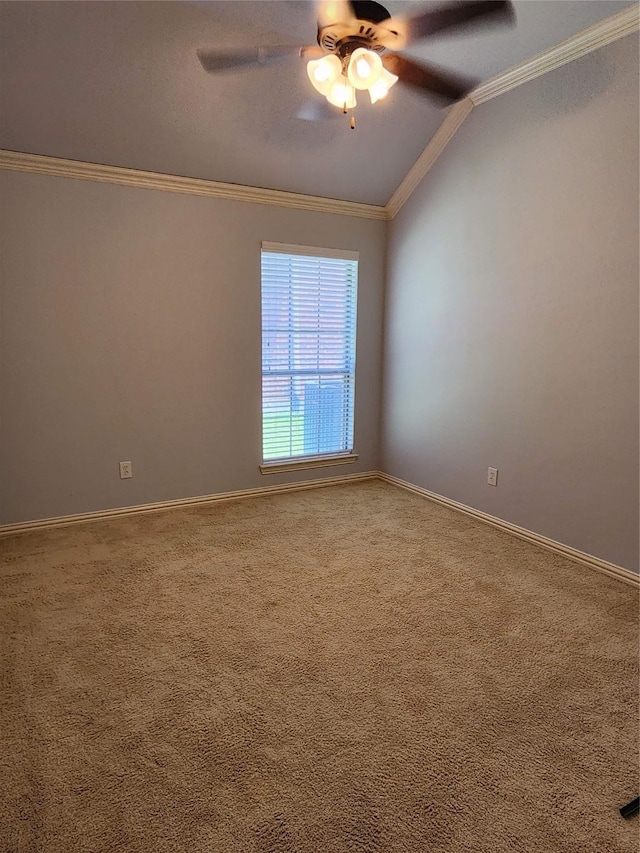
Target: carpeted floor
{"x": 347, "y": 669}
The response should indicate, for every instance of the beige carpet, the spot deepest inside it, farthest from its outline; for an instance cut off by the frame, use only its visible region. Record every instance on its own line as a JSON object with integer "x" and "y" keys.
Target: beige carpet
{"x": 347, "y": 669}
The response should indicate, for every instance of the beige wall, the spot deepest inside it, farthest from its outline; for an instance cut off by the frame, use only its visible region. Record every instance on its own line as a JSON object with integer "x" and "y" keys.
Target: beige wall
{"x": 512, "y": 311}
{"x": 130, "y": 326}
{"x": 130, "y": 329}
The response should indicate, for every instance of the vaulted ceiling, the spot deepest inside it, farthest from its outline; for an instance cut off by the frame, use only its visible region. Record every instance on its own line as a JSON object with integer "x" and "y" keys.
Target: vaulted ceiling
{"x": 119, "y": 83}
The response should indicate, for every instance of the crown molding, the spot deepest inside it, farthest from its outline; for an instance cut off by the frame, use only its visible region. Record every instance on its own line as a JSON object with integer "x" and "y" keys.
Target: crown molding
{"x": 599, "y": 35}
{"x": 55, "y": 166}
{"x": 607, "y": 31}
{"x": 438, "y": 142}
{"x": 611, "y": 29}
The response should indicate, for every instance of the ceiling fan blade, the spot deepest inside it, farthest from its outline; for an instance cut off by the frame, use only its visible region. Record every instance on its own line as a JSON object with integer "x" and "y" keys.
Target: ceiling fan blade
{"x": 334, "y": 12}
{"x": 457, "y": 15}
{"x": 443, "y": 85}
{"x": 214, "y": 61}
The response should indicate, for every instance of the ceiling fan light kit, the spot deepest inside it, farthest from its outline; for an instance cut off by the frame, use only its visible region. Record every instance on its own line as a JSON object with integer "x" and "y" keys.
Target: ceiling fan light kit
{"x": 358, "y": 40}
{"x": 338, "y": 79}
{"x": 364, "y": 68}
{"x": 324, "y": 72}
{"x": 380, "y": 88}
{"x": 342, "y": 94}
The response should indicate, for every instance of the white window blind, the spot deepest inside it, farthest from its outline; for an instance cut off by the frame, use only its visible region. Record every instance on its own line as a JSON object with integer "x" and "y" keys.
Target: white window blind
{"x": 308, "y": 351}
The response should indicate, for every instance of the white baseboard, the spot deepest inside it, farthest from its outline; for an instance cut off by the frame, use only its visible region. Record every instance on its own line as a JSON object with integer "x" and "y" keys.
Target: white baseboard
{"x": 581, "y": 557}
{"x": 85, "y": 517}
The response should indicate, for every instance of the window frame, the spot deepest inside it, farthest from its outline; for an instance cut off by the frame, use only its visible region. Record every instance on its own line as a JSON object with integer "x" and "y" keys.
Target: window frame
{"x": 320, "y": 459}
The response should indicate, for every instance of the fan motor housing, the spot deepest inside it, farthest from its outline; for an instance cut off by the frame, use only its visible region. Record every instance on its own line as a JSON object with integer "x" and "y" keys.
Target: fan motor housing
{"x": 369, "y": 10}
{"x": 367, "y": 31}
{"x": 345, "y": 38}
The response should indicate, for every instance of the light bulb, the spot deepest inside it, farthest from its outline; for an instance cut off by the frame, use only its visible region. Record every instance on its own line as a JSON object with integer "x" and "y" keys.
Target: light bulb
{"x": 322, "y": 72}
{"x": 342, "y": 94}
{"x": 382, "y": 85}
{"x": 365, "y": 67}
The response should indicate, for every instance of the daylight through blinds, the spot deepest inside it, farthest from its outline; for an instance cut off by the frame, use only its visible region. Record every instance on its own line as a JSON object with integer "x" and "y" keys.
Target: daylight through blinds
{"x": 308, "y": 354}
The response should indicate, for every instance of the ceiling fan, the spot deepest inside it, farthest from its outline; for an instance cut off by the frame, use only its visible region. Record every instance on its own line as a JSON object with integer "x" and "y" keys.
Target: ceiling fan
{"x": 357, "y": 50}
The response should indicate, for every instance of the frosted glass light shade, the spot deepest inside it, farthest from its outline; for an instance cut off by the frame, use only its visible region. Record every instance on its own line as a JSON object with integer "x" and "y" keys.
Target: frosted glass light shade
{"x": 365, "y": 67}
{"x": 324, "y": 72}
{"x": 342, "y": 94}
{"x": 382, "y": 85}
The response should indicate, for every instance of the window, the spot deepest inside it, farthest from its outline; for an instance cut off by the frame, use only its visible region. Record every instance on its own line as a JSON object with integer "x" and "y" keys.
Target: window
{"x": 308, "y": 353}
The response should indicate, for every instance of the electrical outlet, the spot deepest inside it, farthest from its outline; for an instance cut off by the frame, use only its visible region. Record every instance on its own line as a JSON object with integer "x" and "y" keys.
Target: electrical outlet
{"x": 492, "y": 476}
{"x": 125, "y": 470}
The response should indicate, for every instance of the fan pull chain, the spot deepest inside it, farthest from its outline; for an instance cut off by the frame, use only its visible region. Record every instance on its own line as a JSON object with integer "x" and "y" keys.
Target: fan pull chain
{"x": 352, "y": 123}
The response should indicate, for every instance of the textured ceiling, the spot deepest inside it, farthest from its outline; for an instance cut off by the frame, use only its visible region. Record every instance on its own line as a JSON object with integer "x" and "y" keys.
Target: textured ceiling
{"x": 119, "y": 83}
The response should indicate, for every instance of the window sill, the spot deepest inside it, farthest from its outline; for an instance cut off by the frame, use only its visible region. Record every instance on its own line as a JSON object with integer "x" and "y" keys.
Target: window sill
{"x": 307, "y": 462}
